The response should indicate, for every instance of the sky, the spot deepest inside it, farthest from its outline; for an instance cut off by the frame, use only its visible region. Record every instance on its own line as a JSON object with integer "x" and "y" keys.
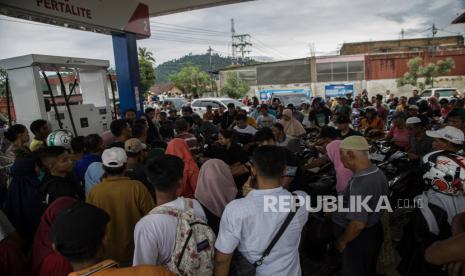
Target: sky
{"x": 278, "y": 29}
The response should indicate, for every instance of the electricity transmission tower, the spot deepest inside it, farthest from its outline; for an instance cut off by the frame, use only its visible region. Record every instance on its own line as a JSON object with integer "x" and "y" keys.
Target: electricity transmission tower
{"x": 240, "y": 44}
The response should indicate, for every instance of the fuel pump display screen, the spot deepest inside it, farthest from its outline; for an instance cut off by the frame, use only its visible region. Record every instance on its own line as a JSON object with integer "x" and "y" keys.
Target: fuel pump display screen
{"x": 84, "y": 122}
{"x": 103, "y": 111}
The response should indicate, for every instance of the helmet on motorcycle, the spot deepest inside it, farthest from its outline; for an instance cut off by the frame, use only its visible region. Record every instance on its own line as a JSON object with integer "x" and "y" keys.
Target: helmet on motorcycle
{"x": 319, "y": 101}
{"x": 445, "y": 172}
{"x": 371, "y": 109}
{"x": 61, "y": 137}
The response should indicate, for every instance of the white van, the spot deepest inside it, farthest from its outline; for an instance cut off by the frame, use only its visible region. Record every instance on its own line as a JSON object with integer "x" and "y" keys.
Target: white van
{"x": 441, "y": 93}
{"x": 200, "y": 105}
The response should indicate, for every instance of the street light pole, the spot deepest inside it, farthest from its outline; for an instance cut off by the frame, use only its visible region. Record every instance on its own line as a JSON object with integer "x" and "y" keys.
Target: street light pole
{"x": 434, "y": 30}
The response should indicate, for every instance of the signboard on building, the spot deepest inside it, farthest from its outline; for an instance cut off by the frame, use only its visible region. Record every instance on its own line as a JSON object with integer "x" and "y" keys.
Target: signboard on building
{"x": 339, "y": 90}
{"x": 267, "y": 93}
{"x": 106, "y": 16}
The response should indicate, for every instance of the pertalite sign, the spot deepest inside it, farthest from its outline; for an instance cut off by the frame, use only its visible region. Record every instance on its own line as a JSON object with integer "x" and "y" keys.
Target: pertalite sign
{"x": 108, "y": 16}
{"x": 65, "y": 7}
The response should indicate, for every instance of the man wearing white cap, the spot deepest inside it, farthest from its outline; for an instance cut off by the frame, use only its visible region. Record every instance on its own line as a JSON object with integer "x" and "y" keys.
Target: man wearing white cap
{"x": 125, "y": 200}
{"x": 362, "y": 232}
{"x": 447, "y": 139}
{"x": 420, "y": 143}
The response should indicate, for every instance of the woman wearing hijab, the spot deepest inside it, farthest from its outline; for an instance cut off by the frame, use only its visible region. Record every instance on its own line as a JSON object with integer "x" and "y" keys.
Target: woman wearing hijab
{"x": 291, "y": 126}
{"x": 343, "y": 175}
{"x": 215, "y": 189}
{"x": 179, "y": 148}
{"x": 93, "y": 176}
{"x": 45, "y": 261}
{"x": 23, "y": 204}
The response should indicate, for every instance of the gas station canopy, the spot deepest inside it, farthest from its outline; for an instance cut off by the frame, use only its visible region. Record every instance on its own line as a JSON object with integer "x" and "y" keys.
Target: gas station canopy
{"x": 125, "y": 20}
{"x": 103, "y": 16}
{"x": 162, "y": 7}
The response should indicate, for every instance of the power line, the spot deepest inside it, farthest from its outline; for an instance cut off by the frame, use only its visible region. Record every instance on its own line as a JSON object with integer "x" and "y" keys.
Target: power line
{"x": 270, "y": 52}
{"x": 263, "y": 51}
{"x": 185, "y": 38}
{"x": 417, "y": 32}
{"x": 188, "y": 27}
{"x": 184, "y": 30}
{"x": 156, "y": 30}
{"x": 450, "y": 32}
{"x": 188, "y": 41}
{"x": 260, "y": 51}
{"x": 271, "y": 48}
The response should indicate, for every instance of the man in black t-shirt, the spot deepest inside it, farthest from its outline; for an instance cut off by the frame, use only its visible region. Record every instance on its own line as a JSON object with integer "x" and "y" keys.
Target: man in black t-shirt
{"x": 343, "y": 127}
{"x": 320, "y": 114}
{"x": 228, "y": 118}
{"x": 415, "y": 97}
{"x": 57, "y": 182}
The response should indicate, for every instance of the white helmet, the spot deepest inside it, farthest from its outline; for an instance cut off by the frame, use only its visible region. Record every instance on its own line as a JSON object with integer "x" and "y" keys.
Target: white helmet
{"x": 61, "y": 138}
{"x": 445, "y": 172}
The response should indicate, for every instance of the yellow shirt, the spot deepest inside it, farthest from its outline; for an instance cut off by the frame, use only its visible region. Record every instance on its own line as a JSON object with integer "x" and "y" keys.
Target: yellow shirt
{"x": 400, "y": 108}
{"x": 35, "y": 144}
{"x": 377, "y": 124}
{"x": 251, "y": 122}
{"x": 126, "y": 201}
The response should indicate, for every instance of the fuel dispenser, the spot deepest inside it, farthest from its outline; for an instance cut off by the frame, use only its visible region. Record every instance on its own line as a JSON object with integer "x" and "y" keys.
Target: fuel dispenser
{"x": 28, "y": 78}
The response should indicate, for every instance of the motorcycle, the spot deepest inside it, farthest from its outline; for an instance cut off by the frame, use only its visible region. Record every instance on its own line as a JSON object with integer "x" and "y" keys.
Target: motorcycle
{"x": 404, "y": 179}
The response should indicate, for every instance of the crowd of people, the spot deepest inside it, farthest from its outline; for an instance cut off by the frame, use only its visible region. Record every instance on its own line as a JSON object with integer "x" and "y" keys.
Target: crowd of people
{"x": 170, "y": 192}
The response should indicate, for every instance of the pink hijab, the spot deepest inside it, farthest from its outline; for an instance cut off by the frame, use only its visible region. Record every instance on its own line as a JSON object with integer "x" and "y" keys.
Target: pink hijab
{"x": 216, "y": 186}
{"x": 343, "y": 175}
{"x": 178, "y": 147}
{"x": 292, "y": 127}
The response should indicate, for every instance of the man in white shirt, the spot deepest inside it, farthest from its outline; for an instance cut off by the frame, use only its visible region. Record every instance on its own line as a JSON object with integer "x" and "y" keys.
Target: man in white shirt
{"x": 155, "y": 234}
{"x": 242, "y": 126}
{"x": 246, "y": 226}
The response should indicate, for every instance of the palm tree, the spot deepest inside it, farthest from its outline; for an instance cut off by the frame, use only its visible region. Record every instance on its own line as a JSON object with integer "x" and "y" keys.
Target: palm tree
{"x": 145, "y": 54}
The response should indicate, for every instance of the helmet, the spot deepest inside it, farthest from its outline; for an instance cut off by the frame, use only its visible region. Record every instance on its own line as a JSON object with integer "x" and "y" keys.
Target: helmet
{"x": 371, "y": 109}
{"x": 61, "y": 138}
{"x": 445, "y": 172}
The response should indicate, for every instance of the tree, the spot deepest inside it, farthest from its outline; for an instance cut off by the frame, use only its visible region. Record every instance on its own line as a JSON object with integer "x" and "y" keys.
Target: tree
{"x": 429, "y": 72}
{"x": 145, "y": 54}
{"x": 234, "y": 86}
{"x": 146, "y": 69}
{"x": 164, "y": 70}
{"x": 192, "y": 80}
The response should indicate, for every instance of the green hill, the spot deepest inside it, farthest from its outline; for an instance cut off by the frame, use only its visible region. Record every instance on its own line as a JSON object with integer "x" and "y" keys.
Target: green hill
{"x": 165, "y": 69}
